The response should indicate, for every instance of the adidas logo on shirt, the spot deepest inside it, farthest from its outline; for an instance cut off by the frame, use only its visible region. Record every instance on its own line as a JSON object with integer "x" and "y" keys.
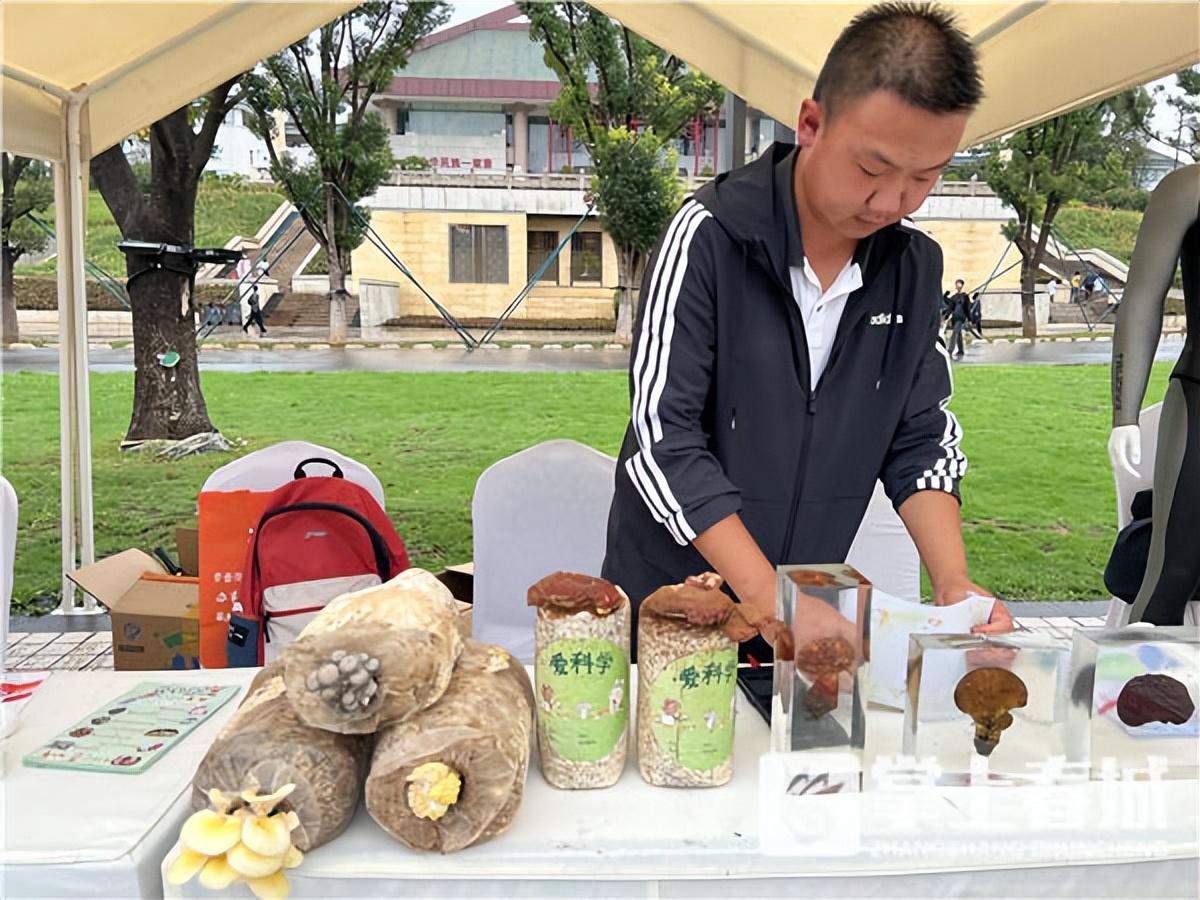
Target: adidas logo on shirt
{"x": 886, "y": 319}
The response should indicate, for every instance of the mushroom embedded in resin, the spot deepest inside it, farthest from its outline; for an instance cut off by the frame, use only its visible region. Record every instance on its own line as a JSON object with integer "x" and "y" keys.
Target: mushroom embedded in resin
{"x": 376, "y": 656}
{"x": 1154, "y": 698}
{"x": 987, "y": 695}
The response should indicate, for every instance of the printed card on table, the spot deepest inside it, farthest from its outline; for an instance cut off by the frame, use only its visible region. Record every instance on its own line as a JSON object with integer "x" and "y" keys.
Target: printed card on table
{"x": 893, "y": 621}
{"x": 134, "y": 731}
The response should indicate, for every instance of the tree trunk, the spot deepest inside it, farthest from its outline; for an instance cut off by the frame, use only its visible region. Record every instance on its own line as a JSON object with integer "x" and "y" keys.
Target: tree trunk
{"x": 167, "y": 402}
{"x": 630, "y": 268}
{"x": 8, "y": 297}
{"x": 1028, "y": 304}
{"x": 337, "y": 273}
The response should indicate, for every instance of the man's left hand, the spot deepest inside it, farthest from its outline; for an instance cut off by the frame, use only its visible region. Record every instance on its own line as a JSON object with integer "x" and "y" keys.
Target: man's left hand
{"x": 1000, "y": 620}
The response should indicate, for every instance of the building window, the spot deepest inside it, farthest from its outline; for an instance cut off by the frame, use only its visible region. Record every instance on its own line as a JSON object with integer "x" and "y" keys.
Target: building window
{"x": 479, "y": 254}
{"x": 401, "y": 120}
{"x": 541, "y": 245}
{"x": 586, "y": 257}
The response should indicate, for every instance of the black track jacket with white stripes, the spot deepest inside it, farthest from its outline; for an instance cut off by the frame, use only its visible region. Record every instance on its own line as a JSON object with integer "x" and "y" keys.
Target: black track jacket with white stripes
{"x": 723, "y": 416}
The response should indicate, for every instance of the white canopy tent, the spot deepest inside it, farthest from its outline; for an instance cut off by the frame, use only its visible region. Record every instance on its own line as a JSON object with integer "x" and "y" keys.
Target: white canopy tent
{"x": 77, "y": 79}
{"x": 1039, "y": 59}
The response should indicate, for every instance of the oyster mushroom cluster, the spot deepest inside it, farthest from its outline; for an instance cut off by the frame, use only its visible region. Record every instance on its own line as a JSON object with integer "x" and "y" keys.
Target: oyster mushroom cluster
{"x": 987, "y": 696}
{"x": 347, "y": 682}
{"x": 246, "y": 838}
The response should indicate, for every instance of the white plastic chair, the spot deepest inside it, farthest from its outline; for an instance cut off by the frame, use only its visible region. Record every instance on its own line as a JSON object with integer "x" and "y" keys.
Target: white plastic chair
{"x": 884, "y": 552}
{"x": 535, "y": 512}
{"x": 1127, "y": 489}
{"x": 272, "y": 467}
{"x": 8, "y": 553}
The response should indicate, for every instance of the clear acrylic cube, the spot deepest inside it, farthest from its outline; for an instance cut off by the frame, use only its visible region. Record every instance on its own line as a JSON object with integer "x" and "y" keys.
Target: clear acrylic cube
{"x": 1134, "y": 701}
{"x": 817, "y": 702}
{"x": 987, "y": 708}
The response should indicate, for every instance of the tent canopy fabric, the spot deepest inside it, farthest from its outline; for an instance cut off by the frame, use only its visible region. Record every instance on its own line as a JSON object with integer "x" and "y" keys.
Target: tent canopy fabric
{"x": 77, "y": 79}
{"x": 131, "y": 63}
{"x": 1039, "y": 59}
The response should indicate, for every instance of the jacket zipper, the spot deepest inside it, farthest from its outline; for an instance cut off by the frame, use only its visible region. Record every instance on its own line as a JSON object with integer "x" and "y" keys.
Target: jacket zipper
{"x": 810, "y": 406}
{"x": 267, "y": 617}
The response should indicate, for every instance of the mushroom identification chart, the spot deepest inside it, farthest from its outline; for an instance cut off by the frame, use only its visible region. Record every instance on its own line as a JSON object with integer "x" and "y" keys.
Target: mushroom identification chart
{"x": 132, "y": 732}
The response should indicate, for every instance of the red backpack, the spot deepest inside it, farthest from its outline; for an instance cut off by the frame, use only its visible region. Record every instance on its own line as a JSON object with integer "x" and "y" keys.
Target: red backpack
{"x": 318, "y": 538}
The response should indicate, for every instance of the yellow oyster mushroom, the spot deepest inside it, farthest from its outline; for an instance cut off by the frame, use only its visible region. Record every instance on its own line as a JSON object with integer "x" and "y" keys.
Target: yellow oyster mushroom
{"x": 432, "y": 789}
{"x": 221, "y": 802}
{"x": 218, "y": 874}
{"x": 270, "y": 887}
{"x": 262, "y": 804}
{"x": 185, "y": 866}
{"x": 253, "y": 865}
{"x": 210, "y": 833}
{"x": 267, "y": 835}
{"x": 292, "y": 858}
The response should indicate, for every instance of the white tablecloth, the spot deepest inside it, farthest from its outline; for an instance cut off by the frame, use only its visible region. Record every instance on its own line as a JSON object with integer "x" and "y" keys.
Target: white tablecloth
{"x": 634, "y": 840}
{"x": 88, "y": 834}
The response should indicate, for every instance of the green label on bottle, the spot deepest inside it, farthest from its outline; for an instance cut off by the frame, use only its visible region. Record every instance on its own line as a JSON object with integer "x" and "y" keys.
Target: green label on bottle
{"x": 583, "y": 697}
{"x": 691, "y": 702}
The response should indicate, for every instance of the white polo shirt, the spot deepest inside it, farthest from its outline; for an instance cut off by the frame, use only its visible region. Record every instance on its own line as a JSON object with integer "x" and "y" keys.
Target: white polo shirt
{"x": 820, "y": 310}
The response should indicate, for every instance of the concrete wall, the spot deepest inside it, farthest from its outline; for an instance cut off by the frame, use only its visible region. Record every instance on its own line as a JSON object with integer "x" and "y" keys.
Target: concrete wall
{"x": 453, "y": 153}
{"x": 1005, "y": 308}
{"x": 44, "y": 323}
{"x": 422, "y": 241}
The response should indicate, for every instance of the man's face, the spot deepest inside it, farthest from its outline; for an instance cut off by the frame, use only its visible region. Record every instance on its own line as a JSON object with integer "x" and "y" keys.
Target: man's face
{"x": 875, "y": 162}
{"x": 959, "y": 285}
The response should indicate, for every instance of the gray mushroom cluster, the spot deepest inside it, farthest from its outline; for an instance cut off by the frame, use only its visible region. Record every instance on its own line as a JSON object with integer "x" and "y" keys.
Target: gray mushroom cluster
{"x": 348, "y": 681}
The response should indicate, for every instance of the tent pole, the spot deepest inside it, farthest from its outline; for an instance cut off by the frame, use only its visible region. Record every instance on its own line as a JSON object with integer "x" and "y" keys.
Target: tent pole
{"x": 78, "y": 160}
{"x": 66, "y": 384}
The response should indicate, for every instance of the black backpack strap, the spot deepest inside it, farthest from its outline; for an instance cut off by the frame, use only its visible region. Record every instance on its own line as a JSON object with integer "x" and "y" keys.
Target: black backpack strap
{"x": 300, "y": 473}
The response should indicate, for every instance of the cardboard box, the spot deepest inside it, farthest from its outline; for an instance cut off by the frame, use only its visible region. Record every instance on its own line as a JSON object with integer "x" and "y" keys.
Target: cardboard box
{"x": 460, "y": 580}
{"x": 154, "y": 615}
{"x": 187, "y": 545}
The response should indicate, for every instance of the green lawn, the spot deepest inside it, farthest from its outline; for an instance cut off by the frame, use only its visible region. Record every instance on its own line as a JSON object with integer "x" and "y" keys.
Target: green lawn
{"x": 222, "y": 211}
{"x": 1039, "y": 497}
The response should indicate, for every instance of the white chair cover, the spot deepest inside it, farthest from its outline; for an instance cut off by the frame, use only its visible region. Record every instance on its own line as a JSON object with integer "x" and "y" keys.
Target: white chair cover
{"x": 273, "y": 467}
{"x": 8, "y": 553}
{"x": 884, "y": 552}
{"x": 535, "y": 512}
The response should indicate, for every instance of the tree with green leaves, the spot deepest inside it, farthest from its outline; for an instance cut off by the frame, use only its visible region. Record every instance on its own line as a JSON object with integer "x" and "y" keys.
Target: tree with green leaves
{"x": 167, "y": 401}
{"x": 1186, "y": 107}
{"x": 626, "y": 100}
{"x": 1039, "y": 170}
{"x": 325, "y": 84}
{"x": 26, "y": 186}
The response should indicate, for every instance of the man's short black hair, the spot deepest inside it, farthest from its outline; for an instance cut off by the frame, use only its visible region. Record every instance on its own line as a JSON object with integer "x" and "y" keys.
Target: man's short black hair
{"x": 959, "y": 281}
{"x": 915, "y": 50}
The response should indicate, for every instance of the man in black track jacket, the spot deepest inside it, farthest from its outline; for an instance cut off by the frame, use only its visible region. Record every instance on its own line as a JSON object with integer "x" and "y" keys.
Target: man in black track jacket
{"x": 787, "y": 352}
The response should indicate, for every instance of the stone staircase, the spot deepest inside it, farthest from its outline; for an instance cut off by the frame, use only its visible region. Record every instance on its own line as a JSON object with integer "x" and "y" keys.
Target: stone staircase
{"x": 300, "y": 310}
{"x": 1072, "y": 313}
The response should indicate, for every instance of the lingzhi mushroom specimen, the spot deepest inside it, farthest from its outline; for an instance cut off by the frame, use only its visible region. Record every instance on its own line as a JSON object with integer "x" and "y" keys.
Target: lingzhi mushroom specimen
{"x": 987, "y": 695}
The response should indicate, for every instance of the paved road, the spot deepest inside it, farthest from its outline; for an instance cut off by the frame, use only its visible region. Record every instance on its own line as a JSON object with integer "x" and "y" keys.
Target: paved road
{"x": 456, "y": 359}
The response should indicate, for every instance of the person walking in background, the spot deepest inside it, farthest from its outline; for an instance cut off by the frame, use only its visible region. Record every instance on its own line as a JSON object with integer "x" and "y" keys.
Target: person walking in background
{"x": 958, "y": 314}
{"x": 960, "y": 317}
{"x": 1052, "y": 289}
{"x": 256, "y": 316}
{"x": 1076, "y": 281}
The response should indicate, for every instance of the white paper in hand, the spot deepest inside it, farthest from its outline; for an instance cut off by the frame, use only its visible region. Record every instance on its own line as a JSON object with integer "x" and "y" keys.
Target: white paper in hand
{"x": 892, "y": 622}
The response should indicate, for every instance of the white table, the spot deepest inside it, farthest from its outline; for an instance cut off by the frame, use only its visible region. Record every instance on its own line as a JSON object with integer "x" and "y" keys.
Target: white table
{"x": 634, "y": 840}
{"x": 88, "y": 834}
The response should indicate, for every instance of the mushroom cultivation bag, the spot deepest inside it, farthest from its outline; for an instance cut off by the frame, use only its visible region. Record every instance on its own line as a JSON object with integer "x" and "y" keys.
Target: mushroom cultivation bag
{"x": 375, "y": 656}
{"x": 265, "y": 745}
{"x": 453, "y": 775}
